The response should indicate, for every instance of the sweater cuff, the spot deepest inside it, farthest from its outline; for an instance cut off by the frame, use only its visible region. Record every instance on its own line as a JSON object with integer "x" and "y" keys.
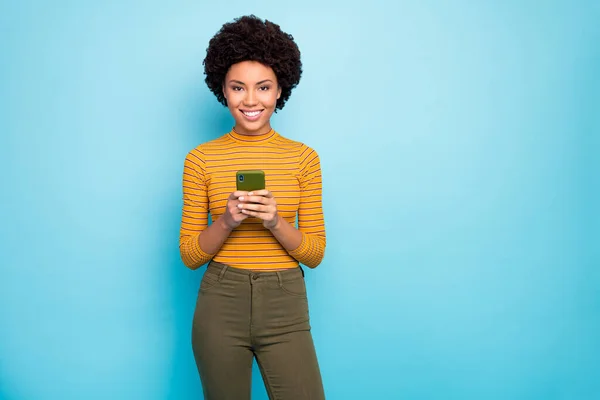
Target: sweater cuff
{"x": 300, "y": 252}
{"x": 197, "y": 252}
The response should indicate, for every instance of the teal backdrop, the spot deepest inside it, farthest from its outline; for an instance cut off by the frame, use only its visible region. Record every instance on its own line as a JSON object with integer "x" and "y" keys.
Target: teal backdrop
{"x": 459, "y": 145}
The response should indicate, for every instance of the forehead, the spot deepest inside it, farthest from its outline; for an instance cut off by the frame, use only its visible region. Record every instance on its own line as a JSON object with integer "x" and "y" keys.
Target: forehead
{"x": 250, "y": 72}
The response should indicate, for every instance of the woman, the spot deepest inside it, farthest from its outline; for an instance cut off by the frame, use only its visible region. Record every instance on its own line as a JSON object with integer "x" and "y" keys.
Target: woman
{"x": 252, "y": 300}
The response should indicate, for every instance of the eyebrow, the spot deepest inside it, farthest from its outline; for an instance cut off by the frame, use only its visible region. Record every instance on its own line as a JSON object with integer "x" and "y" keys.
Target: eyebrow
{"x": 258, "y": 83}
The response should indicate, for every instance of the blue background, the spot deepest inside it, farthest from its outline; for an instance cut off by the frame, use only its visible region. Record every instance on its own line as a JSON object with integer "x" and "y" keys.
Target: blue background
{"x": 459, "y": 145}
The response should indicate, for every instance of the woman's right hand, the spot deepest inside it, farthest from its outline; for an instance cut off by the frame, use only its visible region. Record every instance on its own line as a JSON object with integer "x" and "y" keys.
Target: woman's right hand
{"x": 233, "y": 216}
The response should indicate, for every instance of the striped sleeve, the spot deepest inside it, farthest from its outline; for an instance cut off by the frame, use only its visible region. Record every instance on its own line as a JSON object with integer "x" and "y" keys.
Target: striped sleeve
{"x": 310, "y": 212}
{"x": 194, "y": 217}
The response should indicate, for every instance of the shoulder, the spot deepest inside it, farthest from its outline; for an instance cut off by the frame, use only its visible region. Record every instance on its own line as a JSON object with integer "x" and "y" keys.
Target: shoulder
{"x": 213, "y": 144}
{"x": 303, "y": 150}
{"x": 208, "y": 147}
{"x": 306, "y": 156}
{"x": 196, "y": 158}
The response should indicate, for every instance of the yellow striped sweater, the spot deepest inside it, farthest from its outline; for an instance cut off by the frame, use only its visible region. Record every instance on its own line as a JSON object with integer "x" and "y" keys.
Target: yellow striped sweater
{"x": 293, "y": 175}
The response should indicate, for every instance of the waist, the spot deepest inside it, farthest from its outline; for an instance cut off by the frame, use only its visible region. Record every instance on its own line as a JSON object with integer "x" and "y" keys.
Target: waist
{"x": 252, "y": 246}
{"x": 242, "y": 274}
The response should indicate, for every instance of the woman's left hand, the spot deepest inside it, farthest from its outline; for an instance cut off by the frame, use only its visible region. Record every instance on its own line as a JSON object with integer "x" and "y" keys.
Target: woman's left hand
{"x": 260, "y": 204}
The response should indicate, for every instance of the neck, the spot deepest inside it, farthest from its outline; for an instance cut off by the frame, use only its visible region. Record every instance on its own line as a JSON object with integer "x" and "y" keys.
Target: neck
{"x": 263, "y": 131}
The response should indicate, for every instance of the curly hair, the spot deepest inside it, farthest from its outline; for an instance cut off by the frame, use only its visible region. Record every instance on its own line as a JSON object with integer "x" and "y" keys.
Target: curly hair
{"x": 248, "y": 38}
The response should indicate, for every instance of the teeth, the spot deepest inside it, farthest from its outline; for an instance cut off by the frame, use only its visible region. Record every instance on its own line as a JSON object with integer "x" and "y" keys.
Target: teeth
{"x": 252, "y": 114}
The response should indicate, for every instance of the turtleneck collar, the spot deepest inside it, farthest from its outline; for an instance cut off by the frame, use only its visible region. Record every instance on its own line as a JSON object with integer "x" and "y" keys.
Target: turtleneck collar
{"x": 263, "y": 138}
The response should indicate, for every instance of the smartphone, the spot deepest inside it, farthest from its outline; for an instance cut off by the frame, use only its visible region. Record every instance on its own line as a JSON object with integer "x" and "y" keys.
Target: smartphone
{"x": 250, "y": 180}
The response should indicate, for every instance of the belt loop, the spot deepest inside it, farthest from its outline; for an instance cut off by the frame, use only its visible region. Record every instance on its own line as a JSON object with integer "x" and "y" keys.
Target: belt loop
{"x": 222, "y": 272}
{"x": 279, "y": 278}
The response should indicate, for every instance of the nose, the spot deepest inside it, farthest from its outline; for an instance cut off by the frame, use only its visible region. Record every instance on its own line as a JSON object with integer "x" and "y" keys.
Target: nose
{"x": 250, "y": 98}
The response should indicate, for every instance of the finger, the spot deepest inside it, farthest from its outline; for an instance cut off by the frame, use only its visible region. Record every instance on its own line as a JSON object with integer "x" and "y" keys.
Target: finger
{"x": 232, "y": 206}
{"x": 253, "y": 207}
{"x": 240, "y": 217}
{"x": 236, "y": 212}
{"x": 263, "y": 216}
{"x": 264, "y": 192}
{"x": 255, "y": 199}
{"x": 256, "y": 214}
{"x": 236, "y": 195}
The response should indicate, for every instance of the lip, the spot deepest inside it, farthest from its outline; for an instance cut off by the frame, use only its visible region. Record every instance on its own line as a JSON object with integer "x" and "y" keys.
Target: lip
{"x": 254, "y": 118}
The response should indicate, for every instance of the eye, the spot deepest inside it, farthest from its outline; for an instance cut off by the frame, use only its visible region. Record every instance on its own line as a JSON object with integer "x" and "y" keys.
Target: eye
{"x": 236, "y": 88}
{"x": 264, "y": 88}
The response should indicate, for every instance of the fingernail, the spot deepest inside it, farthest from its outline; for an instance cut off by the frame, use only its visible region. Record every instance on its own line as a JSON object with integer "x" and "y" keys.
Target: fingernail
{"x": 242, "y": 198}
{"x": 251, "y": 194}
{"x": 240, "y": 206}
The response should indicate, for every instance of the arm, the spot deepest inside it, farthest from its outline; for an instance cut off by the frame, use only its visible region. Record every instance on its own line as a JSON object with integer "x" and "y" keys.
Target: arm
{"x": 307, "y": 243}
{"x": 286, "y": 234}
{"x": 213, "y": 237}
{"x": 194, "y": 219}
{"x": 199, "y": 242}
{"x": 311, "y": 224}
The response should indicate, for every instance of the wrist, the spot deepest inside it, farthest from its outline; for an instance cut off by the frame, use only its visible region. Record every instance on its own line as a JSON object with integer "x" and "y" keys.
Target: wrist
{"x": 223, "y": 224}
{"x": 276, "y": 225}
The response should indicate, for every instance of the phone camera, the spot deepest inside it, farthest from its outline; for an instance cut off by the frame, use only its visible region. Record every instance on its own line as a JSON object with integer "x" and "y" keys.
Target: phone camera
{"x": 241, "y": 178}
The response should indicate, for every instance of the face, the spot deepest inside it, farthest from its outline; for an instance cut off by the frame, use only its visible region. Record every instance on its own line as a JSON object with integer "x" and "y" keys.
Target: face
{"x": 251, "y": 90}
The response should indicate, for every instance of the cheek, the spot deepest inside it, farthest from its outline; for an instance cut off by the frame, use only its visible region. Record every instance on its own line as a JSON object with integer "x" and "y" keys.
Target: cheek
{"x": 270, "y": 99}
{"x": 232, "y": 97}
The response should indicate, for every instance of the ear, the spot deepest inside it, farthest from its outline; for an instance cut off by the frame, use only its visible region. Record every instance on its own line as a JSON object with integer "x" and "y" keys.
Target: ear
{"x": 278, "y": 92}
{"x": 224, "y": 93}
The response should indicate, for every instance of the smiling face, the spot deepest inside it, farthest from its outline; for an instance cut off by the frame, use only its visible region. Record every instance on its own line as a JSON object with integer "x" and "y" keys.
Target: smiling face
{"x": 251, "y": 90}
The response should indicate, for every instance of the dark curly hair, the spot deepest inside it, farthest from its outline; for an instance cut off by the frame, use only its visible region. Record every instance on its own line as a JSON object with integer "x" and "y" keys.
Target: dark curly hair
{"x": 248, "y": 38}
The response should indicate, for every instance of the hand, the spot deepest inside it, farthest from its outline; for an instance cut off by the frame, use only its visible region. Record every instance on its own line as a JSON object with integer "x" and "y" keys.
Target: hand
{"x": 260, "y": 204}
{"x": 233, "y": 216}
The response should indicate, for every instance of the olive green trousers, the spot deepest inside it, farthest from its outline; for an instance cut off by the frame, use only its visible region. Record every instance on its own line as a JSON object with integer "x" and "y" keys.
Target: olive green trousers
{"x": 242, "y": 314}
